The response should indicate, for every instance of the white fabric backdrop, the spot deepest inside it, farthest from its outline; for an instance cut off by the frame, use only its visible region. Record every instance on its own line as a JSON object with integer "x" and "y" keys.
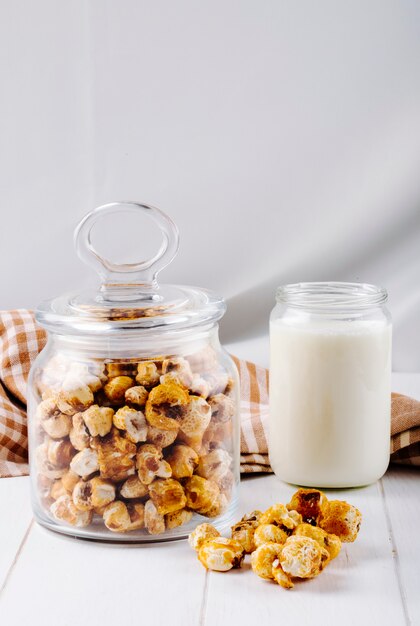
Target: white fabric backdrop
{"x": 282, "y": 137}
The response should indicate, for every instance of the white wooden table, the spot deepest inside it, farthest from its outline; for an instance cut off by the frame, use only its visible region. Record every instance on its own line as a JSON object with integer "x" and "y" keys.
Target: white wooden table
{"x": 51, "y": 580}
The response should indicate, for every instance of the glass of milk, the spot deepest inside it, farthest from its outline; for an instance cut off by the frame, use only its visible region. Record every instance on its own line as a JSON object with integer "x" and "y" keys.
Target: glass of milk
{"x": 330, "y": 394}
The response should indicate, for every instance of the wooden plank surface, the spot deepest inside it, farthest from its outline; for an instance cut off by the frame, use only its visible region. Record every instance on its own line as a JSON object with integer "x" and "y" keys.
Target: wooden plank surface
{"x": 401, "y": 491}
{"x": 15, "y": 519}
{"x": 75, "y": 582}
{"x": 360, "y": 586}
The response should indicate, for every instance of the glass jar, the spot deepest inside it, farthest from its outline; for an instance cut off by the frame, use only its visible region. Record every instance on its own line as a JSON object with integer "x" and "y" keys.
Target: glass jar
{"x": 133, "y": 404}
{"x": 330, "y": 394}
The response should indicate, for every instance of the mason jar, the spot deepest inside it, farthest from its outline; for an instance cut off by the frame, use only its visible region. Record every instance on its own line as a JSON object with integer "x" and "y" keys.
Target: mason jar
{"x": 330, "y": 374}
{"x": 133, "y": 404}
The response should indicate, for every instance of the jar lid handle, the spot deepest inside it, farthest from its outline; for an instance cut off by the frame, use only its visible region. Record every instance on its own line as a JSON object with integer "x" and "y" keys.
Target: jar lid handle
{"x": 119, "y": 281}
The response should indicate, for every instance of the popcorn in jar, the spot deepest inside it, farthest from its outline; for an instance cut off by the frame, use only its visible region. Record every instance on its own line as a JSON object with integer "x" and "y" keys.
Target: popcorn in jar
{"x": 133, "y": 403}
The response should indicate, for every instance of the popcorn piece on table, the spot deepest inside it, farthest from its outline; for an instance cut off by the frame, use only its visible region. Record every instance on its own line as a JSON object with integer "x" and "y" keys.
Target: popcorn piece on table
{"x": 279, "y": 515}
{"x": 202, "y": 533}
{"x": 309, "y": 503}
{"x": 269, "y": 533}
{"x": 263, "y": 557}
{"x": 341, "y": 519}
{"x": 329, "y": 541}
{"x": 243, "y": 533}
{"x": 221, "y": 554}
{"x": 302, "y": 557}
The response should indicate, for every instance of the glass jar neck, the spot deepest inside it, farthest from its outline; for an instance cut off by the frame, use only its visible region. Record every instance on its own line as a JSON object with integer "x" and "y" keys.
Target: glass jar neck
{"x": 137, "y": 345}
{"x": 331, "y": 297}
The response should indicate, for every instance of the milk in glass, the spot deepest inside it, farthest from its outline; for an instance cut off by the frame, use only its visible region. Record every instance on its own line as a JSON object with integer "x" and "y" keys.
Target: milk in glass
{"x": 329, "y": 400}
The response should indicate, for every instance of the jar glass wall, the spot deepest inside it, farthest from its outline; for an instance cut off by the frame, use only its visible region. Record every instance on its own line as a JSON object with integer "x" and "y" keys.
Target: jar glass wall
{"x": 131, "y": 443}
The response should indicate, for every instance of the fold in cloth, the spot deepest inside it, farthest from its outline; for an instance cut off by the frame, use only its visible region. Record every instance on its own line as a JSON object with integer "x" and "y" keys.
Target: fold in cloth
{"x": 21, "y": 340}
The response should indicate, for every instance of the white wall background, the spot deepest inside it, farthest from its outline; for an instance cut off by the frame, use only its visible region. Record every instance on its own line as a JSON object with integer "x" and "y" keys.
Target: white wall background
{"x": 283, "y": 137}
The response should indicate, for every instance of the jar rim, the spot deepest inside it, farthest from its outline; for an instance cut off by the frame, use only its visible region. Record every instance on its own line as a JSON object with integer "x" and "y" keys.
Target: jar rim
{"x": 325, "y": 296}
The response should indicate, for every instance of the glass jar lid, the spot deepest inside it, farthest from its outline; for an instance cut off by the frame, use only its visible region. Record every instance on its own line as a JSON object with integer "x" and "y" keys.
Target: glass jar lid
{"x": 129, "y": 297}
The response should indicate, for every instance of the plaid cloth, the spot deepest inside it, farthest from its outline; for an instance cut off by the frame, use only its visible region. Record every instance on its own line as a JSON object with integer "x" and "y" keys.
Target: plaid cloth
{"x": 21, "y": 340}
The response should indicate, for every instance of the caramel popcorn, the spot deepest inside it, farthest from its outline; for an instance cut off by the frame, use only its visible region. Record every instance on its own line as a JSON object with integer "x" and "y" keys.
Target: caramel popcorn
{"x": 136, "y": 513}
{"x": 57, "y": 489}
{"x": 133, "y": 488}
{"x": 341, "y": 519}
{"x": 201, "y": 494}
{"x": 150, "y": 464}
{"x": 136, "y": 396}
{"x": 263, "y": 558}
{"x": 75, "y": 395}
{"x": 283, "y": 548}
{"x": 93, "y": 494}
{"x": 301, "y": 557}
{"x": 219, "y": 505}
{"x": 98, "y": 420}
{"x": 222, "y": 408}
{"x": 120, "y": 369}
{"x": 196, "y": 417}
{"x": 79, "y": 434}
{"x": 160, "y": 437}
{"x": 140, "y": 445}
{"x": 308, "y": 502}
{"x": 147, "y": 374}
{"x": 167, "y": 495}
{"x": 280, "y": 576}
{"x": 85, "y": 463}
{"x": 116, "y": 517}
{"x": 329, "y": 541}
{"x": 279, "y": 515}
{"x": 183, "y": 461}
{"x": 177, "y": 370}
{"x": 133, "y": 422}
{"x": 69, "y": 480}
{"x": 215, "y": 464}
{"x": 121, "y": 518}
{"x": 243, "y": 532}
{"x": 269, "y": 533}
{"x": 116, "y": 388}
{"x": 57, "y": 426}
{"x": 60, "y": 453}
{"x": 154, "y": 521}
{"x": 164, "y": 406}
{"x": 253, "y": 518}
{"x": 199, "y": 386}
{"x": 202, "y": 533}
{"x": 221, "y": 554}
{"x": 115, "y": 456}
{"x": 64, "y": 509}
{"x": 178, "y": 518}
